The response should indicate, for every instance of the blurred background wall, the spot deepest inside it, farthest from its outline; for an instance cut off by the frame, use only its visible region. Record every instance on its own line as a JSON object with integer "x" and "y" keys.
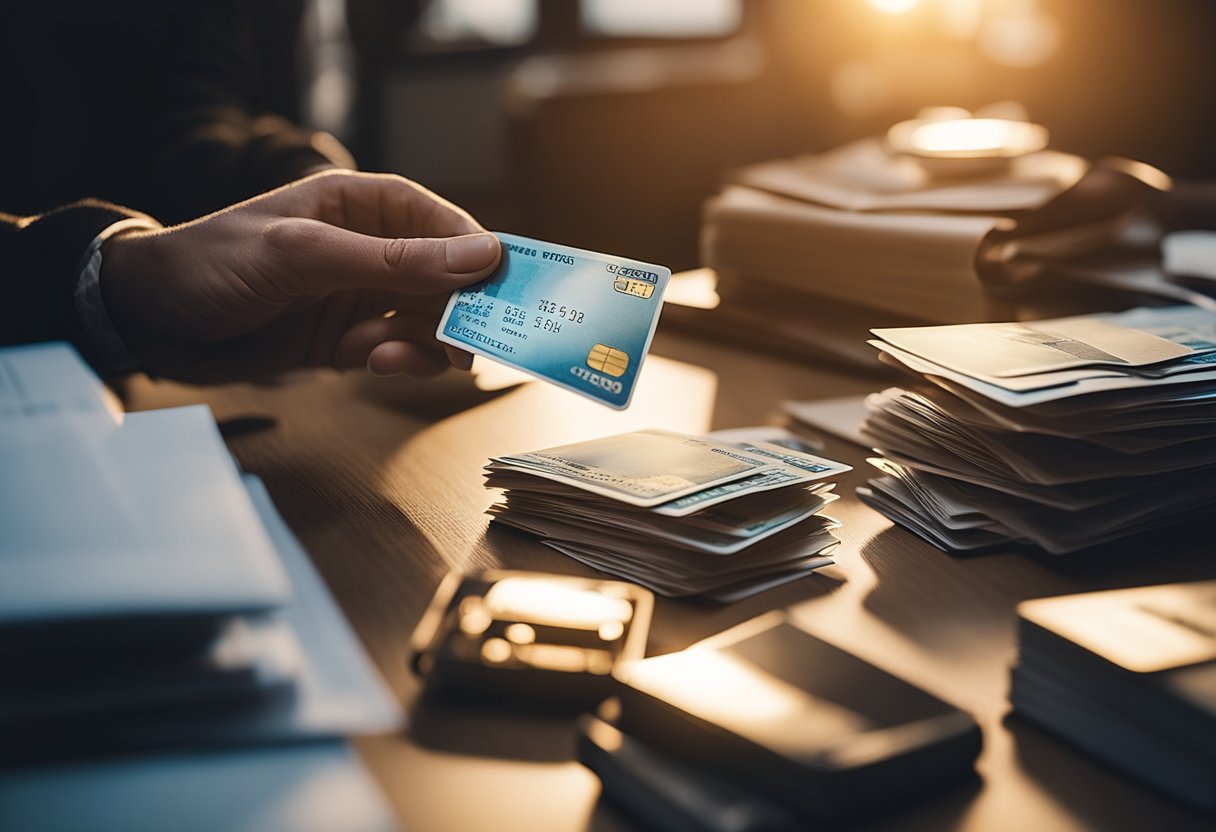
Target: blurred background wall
{"x": 605, "y": 123}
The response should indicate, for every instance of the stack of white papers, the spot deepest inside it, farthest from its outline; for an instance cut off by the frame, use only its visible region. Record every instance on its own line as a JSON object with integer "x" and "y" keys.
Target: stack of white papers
{"x": 1128, "y": 675}
{"x": 108, "y": 521}
{"x": 812, "y": 252}
{"x": 150, "y": 595}
{"x": 1062, "y": 433}
{"x": 864, "y": 226}
{"x": 311, "y": 787}
{"x": 909, "y": 263}
{"x": 724, "y": 515}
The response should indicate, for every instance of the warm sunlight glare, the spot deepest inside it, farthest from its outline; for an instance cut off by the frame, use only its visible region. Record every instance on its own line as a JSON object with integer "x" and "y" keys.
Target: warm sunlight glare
{"x": 556, "y": 604}
{"x": 893, "y": 6}
{"x": 975, "y": 136}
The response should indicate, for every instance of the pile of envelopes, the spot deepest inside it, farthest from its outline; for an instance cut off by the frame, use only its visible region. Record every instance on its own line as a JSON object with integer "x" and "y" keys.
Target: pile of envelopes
{"x": 683, "y": 515}
{"x": 152, "y": 599}
{"x": 1062, "y": 433}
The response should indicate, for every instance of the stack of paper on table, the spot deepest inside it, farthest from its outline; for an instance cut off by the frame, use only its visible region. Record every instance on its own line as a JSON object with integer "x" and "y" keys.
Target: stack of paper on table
{"x": 311, "y": 787}
{"x": 721, "y": 517}
{"x": 862, "y": 225}
{"x": 1130, "y": 676}
{"x": 150, "y": 595}
{"x": 1063, "y": 433}
{"x": 810, "y": 244}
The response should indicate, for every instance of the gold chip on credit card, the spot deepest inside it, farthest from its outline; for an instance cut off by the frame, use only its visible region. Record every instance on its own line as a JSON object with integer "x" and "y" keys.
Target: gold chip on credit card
{"x": 608, "y": 360}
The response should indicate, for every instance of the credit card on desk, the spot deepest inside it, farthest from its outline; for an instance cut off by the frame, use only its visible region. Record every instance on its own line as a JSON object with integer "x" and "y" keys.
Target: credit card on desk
{"x": 577, "y": 318}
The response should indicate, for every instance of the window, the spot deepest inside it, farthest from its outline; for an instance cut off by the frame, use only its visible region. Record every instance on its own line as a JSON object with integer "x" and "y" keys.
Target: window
{"x": 506, "y": 23}
{"x": 662, "y": 18}
{"x": 494, "y": 22}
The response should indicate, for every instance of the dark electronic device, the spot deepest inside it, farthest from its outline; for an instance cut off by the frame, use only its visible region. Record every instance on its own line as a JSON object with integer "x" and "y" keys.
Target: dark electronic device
{"x": 665, "y": 793}
{"x": 530, "y": 635}
{"x": 775, "y": 710}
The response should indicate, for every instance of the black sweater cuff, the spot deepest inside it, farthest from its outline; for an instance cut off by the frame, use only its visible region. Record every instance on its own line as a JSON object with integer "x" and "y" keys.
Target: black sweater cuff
{"x": 42, "y": 263}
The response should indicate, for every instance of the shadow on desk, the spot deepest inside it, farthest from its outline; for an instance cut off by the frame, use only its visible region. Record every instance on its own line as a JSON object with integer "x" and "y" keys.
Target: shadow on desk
{"x": 432, "y": 399}
{"x": 1167, "y": 555}
{"x": 472, "y": 729}
{"x": 678, "y": 622}
{"x": 970, "y": 594}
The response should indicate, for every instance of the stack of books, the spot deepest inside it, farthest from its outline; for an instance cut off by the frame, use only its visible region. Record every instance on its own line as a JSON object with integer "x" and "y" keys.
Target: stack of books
{"x": 153, "y": 598}
{"x": 1127, "y": 675}
{"x": 682, "y": 515}
{"x": 810, "y": 252}
{"x": 1062, "y": 433}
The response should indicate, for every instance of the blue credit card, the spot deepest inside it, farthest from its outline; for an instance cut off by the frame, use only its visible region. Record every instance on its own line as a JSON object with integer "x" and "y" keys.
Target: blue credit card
{"x": 577, "y": 318}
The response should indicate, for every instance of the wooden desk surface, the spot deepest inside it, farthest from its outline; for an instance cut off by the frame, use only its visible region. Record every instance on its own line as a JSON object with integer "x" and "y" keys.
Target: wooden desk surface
{"x": 381, "y": 481}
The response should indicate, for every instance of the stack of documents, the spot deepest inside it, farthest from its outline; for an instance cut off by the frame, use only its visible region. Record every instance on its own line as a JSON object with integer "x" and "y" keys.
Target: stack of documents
{"x": 1062, "y": 433}
{"x": 862, "y": 225}
{"x": 150, "y": 595}
{"x": 1130, "y": 676}
{"x": 860, "y": 237}
{"x": 720, "y": 516}
{"x": 310, "y": 787}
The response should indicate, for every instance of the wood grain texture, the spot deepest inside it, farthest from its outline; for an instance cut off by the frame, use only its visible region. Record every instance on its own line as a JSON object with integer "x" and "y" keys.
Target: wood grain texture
{"x": 381, "y": 481}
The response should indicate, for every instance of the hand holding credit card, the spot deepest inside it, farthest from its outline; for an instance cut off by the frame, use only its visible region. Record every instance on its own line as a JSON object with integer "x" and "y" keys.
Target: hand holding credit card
{"x": 579, "y": 319}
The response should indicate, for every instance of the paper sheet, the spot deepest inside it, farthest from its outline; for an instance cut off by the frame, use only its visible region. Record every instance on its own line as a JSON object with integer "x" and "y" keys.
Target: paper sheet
{"x": 319, "y": 787}
{"x": 125, "y": 523}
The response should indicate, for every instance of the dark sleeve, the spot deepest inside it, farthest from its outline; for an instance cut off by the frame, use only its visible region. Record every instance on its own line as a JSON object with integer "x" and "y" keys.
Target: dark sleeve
{"x": 222, "y": 142}
{"x": 1190, "y": 205}
{"x": 41, "y": 259}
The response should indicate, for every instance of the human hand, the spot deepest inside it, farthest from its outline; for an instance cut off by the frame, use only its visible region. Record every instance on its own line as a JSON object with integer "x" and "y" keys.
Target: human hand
{"x": 340, "y": 269}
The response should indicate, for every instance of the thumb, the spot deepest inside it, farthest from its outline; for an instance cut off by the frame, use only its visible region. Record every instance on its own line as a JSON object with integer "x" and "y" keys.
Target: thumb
{"x": 326, "y": 258}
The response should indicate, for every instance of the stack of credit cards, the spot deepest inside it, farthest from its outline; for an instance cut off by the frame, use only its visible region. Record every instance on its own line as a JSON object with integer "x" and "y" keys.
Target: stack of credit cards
{"x": 1129, "y": 675}
{"x": 682, "y": 515}
{"x": 576, "y": 318}
{"x": 1063, "y": 433}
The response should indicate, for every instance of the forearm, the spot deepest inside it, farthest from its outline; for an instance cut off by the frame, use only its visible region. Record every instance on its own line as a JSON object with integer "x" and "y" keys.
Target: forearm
{"x": 42, "y": 258}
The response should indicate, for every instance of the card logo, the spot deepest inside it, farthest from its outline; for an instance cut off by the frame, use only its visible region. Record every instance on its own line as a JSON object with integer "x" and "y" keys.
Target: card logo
{"x": 635, "y": 274}
{"x": 597, "y": 380}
